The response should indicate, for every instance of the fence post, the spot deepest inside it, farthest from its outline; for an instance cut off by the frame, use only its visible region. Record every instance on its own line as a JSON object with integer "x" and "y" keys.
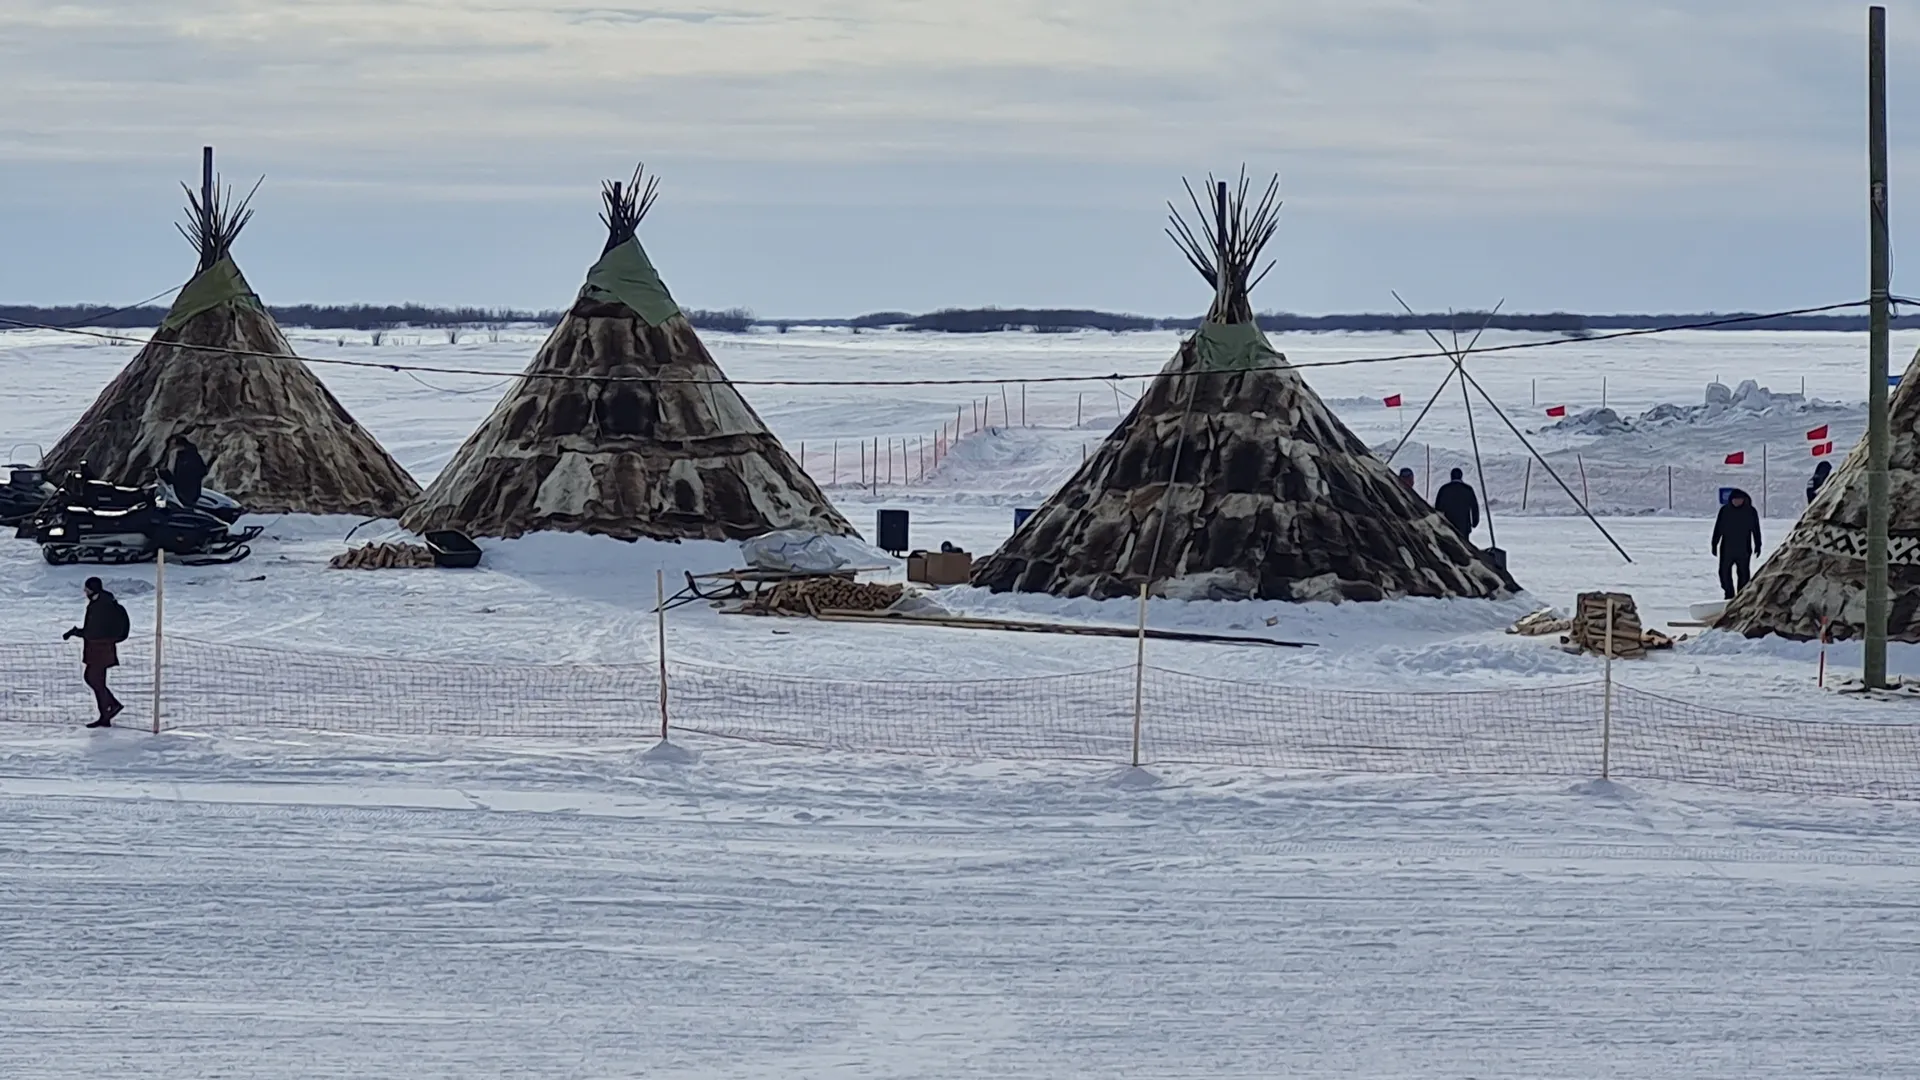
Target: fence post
{"x": 876, "y": 464}
{"x": 1023, "y": 404}
{"x": 1526, "y": 483}
{"x": 1079, "y": 402}
{"x": 1606, "y": 707}
{"x": 836, "y": 464}
{"x": 803, "y": 455}
{"x": 1763, "y": 479}
{"x": 863, "y": 463}
{"x": 1139, "y": 673}
{"x": 1006, "y": 411}
{"x": 1586, "y": 497}
{"x": 159, "y": 627}
{"x": 1669, "y": 487}
{"x": 660, "y": 604}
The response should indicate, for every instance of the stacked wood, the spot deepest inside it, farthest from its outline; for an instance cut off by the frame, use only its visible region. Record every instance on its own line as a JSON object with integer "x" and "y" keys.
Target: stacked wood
{"x": 1589, "y": 633}
{"x": 806, "y": 596}
{"x": 1541, "y": 623}
{"x": 397, "y": 556}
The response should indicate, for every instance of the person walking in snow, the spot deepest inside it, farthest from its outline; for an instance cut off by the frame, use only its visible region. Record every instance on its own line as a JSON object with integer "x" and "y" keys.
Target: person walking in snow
{"x": 1820, "y": 473}
{"x": 184, "y": 469}
{"x": 100, "y": 635}
{"x": 1736, "y": 539}
{"x": 1457, "y": 503}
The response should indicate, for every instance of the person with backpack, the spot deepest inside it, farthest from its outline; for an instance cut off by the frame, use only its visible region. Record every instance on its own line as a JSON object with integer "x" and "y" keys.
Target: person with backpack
{"x": 105, "y": 627}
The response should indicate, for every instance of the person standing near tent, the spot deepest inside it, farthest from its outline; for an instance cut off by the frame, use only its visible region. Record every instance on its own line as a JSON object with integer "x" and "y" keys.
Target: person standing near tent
{"x": 1457, "y": 503}
{"x": 1736, "y": 539}
{"x": 1406, "y": 479}
{"x": 1820, "y": 473}
{"x": 185, "y": 470}
{"x": 105, "y": 627}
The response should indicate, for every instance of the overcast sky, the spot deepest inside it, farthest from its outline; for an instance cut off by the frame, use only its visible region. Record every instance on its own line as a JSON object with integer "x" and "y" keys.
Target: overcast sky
{"x": 827, "y": 157}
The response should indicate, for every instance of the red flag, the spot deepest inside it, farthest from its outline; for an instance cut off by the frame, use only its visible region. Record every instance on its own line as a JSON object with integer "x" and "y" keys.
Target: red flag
{"x": 1823, "y": 449}
{"x": 1391, "y": 401}
{"x": 1738, "y": 457}
{"x": 1557, "y": 410}
{"x": 1817, "y": 434}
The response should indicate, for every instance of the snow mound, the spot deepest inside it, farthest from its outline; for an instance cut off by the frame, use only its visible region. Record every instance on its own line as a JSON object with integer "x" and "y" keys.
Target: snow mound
{"x": 666, "y": 753}
{"x": 1721, "y": 406}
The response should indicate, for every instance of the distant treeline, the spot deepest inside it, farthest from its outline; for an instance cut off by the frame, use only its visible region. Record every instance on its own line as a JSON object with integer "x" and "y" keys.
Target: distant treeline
{"x": 344, "y": 316}
{"x": 960, "y": 320}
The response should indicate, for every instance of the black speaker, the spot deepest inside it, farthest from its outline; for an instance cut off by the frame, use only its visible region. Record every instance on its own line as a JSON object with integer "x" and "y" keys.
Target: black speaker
{"x": 891, "y": 527}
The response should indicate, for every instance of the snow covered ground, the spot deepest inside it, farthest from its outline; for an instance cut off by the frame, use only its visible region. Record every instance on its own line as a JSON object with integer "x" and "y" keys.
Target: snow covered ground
{"x": 235, "y": 902}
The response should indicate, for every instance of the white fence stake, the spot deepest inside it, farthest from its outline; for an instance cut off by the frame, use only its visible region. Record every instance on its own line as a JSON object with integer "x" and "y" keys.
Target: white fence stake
{"x": 1606, "y": 708}
{"x": 1139, "y": 673}
{"x": 159, "y": 628}
{"x": 660, "y": 594}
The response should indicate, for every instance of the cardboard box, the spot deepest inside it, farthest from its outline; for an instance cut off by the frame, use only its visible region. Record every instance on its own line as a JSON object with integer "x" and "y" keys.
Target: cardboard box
{"x": 939, "y": 567}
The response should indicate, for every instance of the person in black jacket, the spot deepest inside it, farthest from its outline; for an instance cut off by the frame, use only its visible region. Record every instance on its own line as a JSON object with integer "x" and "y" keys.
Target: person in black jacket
{"x": 1820, "y": 472}
{"x": 185, "y": 470}
{"x": 105, "y": 628}
{"x": 1736, "y": 539}
{"x": 1458, "y": 504}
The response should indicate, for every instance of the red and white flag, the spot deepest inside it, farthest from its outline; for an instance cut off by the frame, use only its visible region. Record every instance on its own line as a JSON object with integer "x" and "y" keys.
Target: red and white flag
{"x": 1822, "y": 449}
{"x": 1738, "y": 457}
{"x": 1818, "y": 434}
{"x": 1391, "y": 401}
{"x": 1557, "y": 410}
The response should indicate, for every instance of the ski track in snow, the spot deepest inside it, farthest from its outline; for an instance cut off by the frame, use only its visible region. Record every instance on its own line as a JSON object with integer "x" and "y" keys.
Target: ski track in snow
{"x": 314, "y": 906}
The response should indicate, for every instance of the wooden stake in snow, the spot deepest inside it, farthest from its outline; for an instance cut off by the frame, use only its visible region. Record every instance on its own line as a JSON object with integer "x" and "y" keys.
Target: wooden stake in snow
{"x": 1139, "y": 674}
{"x": 660, "y": 605}
{"x": 1606, "y": 707}
{"x": 159, "y": 623}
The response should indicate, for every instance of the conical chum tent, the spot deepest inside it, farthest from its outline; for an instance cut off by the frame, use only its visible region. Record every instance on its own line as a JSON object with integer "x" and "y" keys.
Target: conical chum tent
{"x": 624, "y": 426}
{"x": 1231, "y": 479}
{"x": 1819, "y": 572}
{"x": 220, "y": 372}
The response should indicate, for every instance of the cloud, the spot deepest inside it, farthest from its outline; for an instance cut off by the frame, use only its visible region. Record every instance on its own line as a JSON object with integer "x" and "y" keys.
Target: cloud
{"x": 1401, "y": 105}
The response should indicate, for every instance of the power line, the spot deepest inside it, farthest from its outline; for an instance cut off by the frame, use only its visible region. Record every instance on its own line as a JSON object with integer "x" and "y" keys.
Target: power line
{"x": 435, "y": 369}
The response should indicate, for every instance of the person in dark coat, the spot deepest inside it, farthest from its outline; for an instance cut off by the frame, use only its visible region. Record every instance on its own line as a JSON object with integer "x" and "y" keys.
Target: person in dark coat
{"x": 1458, "y": 504}
{"x": 1820, "y": 474}
{"x": 100, "y": 637}
{"x": 1406, "y": 479}
{"x": 185, "y": 470}
{"x": 1736, "y": 539}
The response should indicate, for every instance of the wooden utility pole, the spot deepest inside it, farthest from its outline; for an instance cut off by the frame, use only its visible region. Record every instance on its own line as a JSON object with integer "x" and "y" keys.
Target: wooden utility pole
{"x": 1874, "y": 666}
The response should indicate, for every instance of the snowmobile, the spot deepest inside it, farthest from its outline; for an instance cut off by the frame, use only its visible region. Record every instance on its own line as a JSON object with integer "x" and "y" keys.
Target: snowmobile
{"x": 75, "y": 532}
{"x": 82, "y": 490}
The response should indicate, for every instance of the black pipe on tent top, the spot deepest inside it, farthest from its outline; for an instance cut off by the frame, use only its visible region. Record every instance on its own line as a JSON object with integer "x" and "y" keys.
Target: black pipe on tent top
{"x": 214, "y": 220}
{"x": 626, "y": 205}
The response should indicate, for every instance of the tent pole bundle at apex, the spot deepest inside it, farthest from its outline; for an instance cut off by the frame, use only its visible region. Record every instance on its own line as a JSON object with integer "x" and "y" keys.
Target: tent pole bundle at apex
{"x": 1230, "y": 478}
{"x": 219, "y": 371}
{"x": 624, "y": 426}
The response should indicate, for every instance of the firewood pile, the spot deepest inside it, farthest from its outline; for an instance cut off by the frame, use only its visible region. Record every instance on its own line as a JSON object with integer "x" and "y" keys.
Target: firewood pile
{"x": 805, "y": 596}
{"x": 394, "y": 556}
{"x": 1630, "y": 639}
{"x": 1541, "y": 623}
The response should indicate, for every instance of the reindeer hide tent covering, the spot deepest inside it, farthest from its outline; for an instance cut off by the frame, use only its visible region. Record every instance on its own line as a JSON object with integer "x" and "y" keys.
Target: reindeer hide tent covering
{"x": 624, "y": 426}
{"x": 1819, "y": 572}
{"x": 1231, "y": 479}
{"x": 219, "y": 371}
